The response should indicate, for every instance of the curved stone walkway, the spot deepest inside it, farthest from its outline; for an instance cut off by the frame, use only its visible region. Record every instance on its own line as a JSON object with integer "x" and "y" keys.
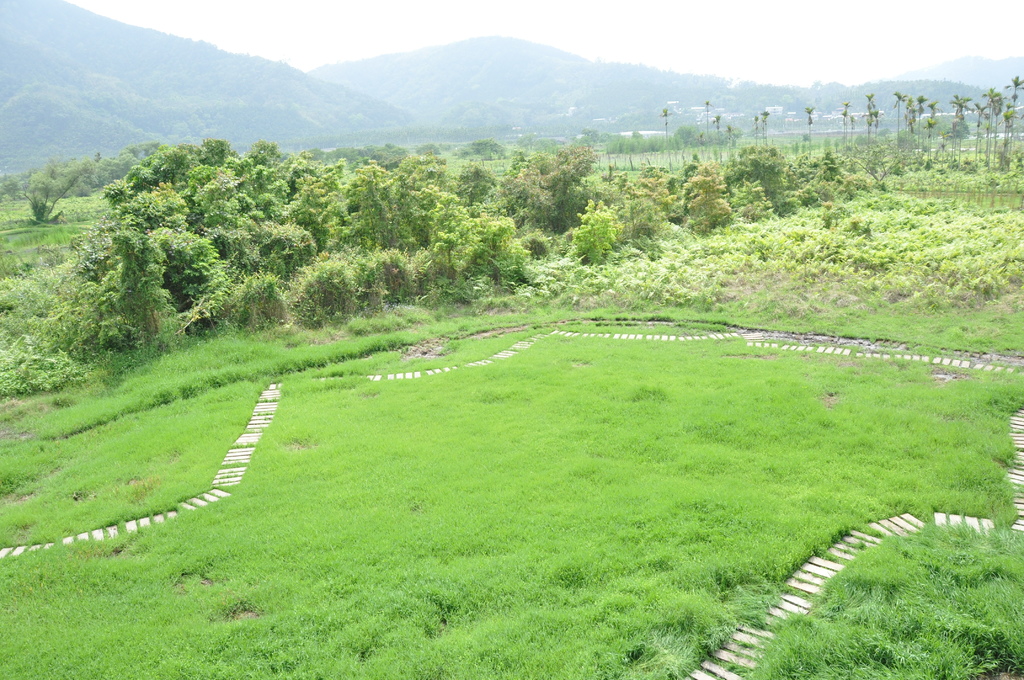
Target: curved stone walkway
{"x": 746, "y": 644}
{"x": 230, "y": 474}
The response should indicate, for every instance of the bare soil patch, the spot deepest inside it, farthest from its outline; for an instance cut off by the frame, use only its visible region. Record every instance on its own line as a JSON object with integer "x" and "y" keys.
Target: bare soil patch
{"x": 497, "y": 332}
{"x": 429, "y": 349}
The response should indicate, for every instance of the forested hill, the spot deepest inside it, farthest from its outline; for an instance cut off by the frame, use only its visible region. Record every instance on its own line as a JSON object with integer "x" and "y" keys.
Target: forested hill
{"x": 504, "y": 81}
{"x": 73, "y": 83}
{"x": 494, "y": 81}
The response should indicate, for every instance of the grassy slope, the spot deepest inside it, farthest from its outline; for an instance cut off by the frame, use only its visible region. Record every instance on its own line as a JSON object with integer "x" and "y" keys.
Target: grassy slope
{"x": 506, "y": 521}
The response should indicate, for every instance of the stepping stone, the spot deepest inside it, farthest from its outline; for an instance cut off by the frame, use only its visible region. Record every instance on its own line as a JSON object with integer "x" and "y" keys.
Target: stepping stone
{"x": 733, "y": 658}
{"x": 806, "y": 587}
{"x": 842, "y": 554}
{"x": 701, "y": 675}
{"x": 227, "y": 470}
{"x": 83, "y": 536}
{"x": 972, "y": 522}
{"x": 227, "y": 483}
{"x": 144, "y": 522}
{"x": 172, "y": 514}
{"x": 779, "y": 613}
{"x": 97, "y": 534}
{"x": 798, "y": 601}
{"x": 159, "y": 519}
{"x": 790, "y": 607}
{"x": 69, "y": 540}
{"x": 904, "y": 524}
{"x": 210, "y": 498}
{"x": 718, "y": 671}
{"x": 857, "y": 542}
{"x": 880, "y": 529}
{"x": 815, "y": 569}
{"x": 955, "y": 519}
{"x": 218, "y": 492}
{"x": 240, "y": 451}
{"x": 112, "y": 532}
{"x": 186, "y": 506}
{"x": 826, "y": 564}
{"x": 907, "y": 517}
{"x": 4, "y": 552}
{"x": 891, "y": 526}
{"x": 130, "y": 525}
{"x": 810, "y": 578}
{"x": 748, "y": 639}
{"x": 17, "y": 551}
{"x": 940, "y": 519}
{"x": 757, "y": 631}
{"x": 745, "y": 651}
{"x": 987, "y": 525}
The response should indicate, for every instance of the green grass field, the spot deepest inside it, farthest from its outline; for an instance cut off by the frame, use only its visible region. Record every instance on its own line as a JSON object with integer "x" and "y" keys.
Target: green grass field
{"x": 589, "y": 508}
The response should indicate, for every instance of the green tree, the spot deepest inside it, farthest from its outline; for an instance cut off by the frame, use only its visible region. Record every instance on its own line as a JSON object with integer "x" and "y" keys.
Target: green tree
{"x": 704, "y": 196}
{"x": 764, "y": 166}
{"x": 594, "y": 239}
{"x": 46, "y": 187}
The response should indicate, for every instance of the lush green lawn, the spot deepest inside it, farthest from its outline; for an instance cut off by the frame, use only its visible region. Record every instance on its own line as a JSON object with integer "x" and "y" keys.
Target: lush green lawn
{"x": 588, "y": 508}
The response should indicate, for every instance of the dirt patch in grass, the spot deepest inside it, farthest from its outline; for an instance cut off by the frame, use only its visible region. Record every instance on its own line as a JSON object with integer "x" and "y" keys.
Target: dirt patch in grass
{"x": 430, "y": 349}
{"x": 12, "y": 434}
{"x": 942, "y": 376}
{"x": 16, "y": 499}
{"x": 497, "y": 331}
{"x": 830, "y": 399}
{"x": 763, "y": 357}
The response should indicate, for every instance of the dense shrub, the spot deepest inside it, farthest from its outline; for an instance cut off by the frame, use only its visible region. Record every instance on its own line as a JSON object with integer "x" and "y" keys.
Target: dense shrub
{"x": 256, "y": 301}
{"x": 26, "y": 367}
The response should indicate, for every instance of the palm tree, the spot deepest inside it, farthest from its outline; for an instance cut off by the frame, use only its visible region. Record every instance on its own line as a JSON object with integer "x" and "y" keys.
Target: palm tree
{"x": 871, "y": 109}
{"x": 1016, "y": 83}
{"x": 959, "y": 106}
{"x": 707, "y": 116}
{"x": 764, "y": 125}
{"x": 899, "y": 100}
{"x": 809, "y": 110}
{"x": 846, "y": 116}
{"x": 980, "y": 110}
{"x": 994, "y": 102}
{"x": 665, "y": 113}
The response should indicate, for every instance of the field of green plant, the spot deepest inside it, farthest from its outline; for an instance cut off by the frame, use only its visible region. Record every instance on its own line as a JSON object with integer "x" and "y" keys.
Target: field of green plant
{"x": 588, "y": 508}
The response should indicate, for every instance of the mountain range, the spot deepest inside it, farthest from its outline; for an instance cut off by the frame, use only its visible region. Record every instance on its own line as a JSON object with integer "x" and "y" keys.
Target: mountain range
{"x": 74, "y": 83}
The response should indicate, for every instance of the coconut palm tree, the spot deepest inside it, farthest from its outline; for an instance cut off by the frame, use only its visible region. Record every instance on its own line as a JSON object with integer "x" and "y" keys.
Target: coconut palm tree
{"x": 809, "y": 110}
{"x": 665, "y": 113}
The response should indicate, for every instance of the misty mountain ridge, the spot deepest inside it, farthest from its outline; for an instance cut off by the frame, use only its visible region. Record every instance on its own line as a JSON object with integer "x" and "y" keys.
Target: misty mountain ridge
{"x": 73, "y": 82}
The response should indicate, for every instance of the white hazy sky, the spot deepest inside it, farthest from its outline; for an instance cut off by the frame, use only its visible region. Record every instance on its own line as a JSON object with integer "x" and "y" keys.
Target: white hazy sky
{"x": 771, "y": 42}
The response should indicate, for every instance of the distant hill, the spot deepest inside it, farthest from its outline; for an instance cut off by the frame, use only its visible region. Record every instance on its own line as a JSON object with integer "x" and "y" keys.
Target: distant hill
{"x": 484, "y": 81}
{"x": 504, "y": 81}
{"x": 977, "y": 71}
{"x": 73, "y": 83}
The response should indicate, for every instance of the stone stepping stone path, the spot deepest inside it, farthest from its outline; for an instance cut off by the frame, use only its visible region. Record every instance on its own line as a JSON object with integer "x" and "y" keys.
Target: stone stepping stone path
{"x": 229, "y": 474}
{"x": 845, "y": 351}
{"x": 745, "y": 647}
{"x": 526, "y": 344}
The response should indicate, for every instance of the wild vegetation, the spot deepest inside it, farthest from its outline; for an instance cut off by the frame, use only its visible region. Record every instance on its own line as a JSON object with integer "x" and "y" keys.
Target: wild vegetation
{"x": 515, "y": 520}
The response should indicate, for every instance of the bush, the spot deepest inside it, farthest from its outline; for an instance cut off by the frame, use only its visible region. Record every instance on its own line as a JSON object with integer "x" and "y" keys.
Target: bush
{"x": 256, "y": 301}
{"x": 593, "y": 240}
{"x": 26, "y": 368}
